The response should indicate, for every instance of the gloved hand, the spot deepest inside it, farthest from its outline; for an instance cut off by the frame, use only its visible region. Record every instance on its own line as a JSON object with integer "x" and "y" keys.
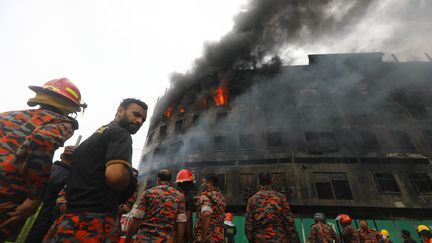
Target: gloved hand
{"x": 133, "y": 183}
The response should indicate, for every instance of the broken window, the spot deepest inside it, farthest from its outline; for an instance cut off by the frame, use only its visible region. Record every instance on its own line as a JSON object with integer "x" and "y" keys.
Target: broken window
{"x": 220, "y": 143}
{"x": 221, "y": 116}
{"x": 321, "y": 142}
{"x": 401, "y": 139}
{"x": 163, "y": 131}
{"x": 332, "y": 186}
{"x": 246, "y": 141}
{"x": 369, "y": 139}
{"x": 178, "y": 125}
{"x": 422, "y": 182}
{"x": 387, "y": 183}
{"x": 418, "y": 111}
{"x": 274, "y": 139}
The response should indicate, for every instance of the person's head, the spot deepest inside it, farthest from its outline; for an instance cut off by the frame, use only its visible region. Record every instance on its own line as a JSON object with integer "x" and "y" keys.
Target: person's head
{"x": 228, "y": 216}
{"x": 344, "y": 219}
{"x": 264, "y": 179}
{"x": 209, "y": 181}
{"x": 319, "y": 217}
{"x": 164, "y": 175}
{"x": 405, "y": 234}
{"x": 185, "y": 180}
{"x": 131, "y": 114}
{"x": 67, "y": 154}
{"x": 424, "y": 232}
{"x": 384, "y": 234}
{"x": 363, "y": 224}
{"x": 59, "y": 95}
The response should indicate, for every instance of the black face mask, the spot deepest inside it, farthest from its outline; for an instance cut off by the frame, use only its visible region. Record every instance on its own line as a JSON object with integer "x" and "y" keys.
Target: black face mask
{"x": 125, "y": 123}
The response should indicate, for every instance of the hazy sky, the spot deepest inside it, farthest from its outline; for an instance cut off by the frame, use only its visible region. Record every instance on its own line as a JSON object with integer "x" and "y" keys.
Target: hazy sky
{"x": 110, "y": 49}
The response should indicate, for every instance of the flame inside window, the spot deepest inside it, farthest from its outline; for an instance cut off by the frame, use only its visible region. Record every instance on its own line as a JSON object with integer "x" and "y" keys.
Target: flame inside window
{"x": 169, "y": 111}
{"x": 221, "y": 94}
{"x": 182, "y": 109}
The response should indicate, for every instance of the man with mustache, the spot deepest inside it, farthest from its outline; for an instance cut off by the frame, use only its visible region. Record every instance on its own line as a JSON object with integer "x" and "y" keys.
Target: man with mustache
{"x": 101, "y": 178}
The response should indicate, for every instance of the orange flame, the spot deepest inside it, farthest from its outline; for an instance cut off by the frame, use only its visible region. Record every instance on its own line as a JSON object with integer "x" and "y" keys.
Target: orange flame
{"x": 221, "y": 94}
{"x": 182, "y": 109}
{"x": 169, "y": 111}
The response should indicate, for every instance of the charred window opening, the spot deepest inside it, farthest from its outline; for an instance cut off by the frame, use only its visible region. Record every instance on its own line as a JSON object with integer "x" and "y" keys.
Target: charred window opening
{"x": 248, "y": 185}
{"x": 387, "y": 183}
{"x": 279, "y": 182}
{"x": 175, "y": 147}
{"x": 246, "y": 141}
{"x": 369, "y": 139}
{"x": 221, "y": 181}
{"x": 422, "y": 182}
{"x": 221, "y": 116}
{"x": 163, "y": 131}
{"x": 332, "y": 186}
{"x": 178, "y": 125}
{"x": 418, "y": 112}
{"x": 274, "y": 139}
{"x": 401, "y": 139}
{"x": 321, "y": 142}
{"x": 158, "y": 152}
{"x": 220, "y": 143}
{"x": 428, "y": 135}
{"x": 195, "y": 118}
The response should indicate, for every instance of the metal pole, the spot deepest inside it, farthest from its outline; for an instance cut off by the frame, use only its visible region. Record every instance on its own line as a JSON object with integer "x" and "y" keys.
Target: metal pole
{"x": 395, "y": 58}
{"x": 78, "y": 140}
{"x": 428, "y": 57}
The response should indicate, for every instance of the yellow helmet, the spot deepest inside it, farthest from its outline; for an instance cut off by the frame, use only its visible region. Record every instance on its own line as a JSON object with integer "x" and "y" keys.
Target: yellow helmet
{"x": 384, "y": 232}
{"x": 422, "y": 227}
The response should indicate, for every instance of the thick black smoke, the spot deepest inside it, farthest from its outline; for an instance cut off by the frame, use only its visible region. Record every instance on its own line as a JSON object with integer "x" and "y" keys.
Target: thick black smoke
{"x": 261, "y": 31}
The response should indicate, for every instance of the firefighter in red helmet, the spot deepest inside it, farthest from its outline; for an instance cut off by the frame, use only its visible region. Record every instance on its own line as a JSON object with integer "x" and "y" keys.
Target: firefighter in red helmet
{"x": 349, "y": 234}
{"x": 185, "y": 184}
{"x": 28, "y": 140}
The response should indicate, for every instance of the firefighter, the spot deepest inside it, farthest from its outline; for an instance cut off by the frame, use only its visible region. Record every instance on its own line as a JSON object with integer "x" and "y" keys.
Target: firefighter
{"x": 185, "y": 184}
{"x": 268, "y": 215}
{"x": 101, "y": 178}
{"x": 230, "y": 230}
{"x": 424, "y": 233}
{"x": 385, "y": 236}
{"x": 210, "y": 211}
{"x": 29, "y": 139}
{"x": 321, "y": 232}
{"x": 160, "y": 213}
{"x": 367, "y": 234}
{"x": 349, "y": 234}
{"x": 49, "y": 211}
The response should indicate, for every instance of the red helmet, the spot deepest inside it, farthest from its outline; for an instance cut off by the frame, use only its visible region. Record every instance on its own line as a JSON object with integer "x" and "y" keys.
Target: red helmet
{"x": 62, "y": 88}
{"x": 344, "y": 219}
{"x": 184, "y": 175}
{"x": 229, "y": 216}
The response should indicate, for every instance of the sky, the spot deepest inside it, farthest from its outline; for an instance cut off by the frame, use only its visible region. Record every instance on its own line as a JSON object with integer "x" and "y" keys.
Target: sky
{"x": 110, "y": 49}
{"x": 119, "y": 49}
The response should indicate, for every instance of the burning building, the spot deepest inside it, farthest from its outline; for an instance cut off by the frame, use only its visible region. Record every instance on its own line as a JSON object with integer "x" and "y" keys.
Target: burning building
{"x": 348, "y": 132}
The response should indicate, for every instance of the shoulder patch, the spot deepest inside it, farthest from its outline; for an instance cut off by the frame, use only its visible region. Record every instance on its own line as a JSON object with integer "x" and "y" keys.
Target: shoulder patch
{"x": 101, "y": 129}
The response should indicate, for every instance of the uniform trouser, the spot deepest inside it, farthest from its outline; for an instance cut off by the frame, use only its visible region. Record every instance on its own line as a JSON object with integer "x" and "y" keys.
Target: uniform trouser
{"x": 12, "y": 193}
{"x": 44, "y": 220}
{"x": 84, "y": 227}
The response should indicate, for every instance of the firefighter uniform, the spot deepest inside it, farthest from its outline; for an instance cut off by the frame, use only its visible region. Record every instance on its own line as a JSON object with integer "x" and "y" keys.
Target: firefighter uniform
{"x": 322, "y": 233}
{"x": 159, "y": 209}
{"x": 368, "y": 236}
{"x": 213, "y": 202}
{"x": 350, "y": 235}
{"x": 269, "y": 218}
{"x": 28, "y": 140}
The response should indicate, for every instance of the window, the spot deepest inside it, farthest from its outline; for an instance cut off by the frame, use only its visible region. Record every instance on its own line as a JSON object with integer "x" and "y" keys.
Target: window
{"x": 221, "y": 116}
{"x": 159, "y": 151}
{"x": 221, "y": 181}
{"x": 195, "y": 118}
{"x": 428, "y": 135}
{"x": 422, "y": 182}
{"x": 387, "y": 183}
{"x": 220, "y": 143}
{"x": 274, "y": 139}
{"x": 417, "y": 112}
{"x": 246, "y": 141}
{"x": 401, "y": 139}
{"x": 279, "y": 182}
{"x": 321, "y": 142}
{"x": 332, "y": 186}
{"x": 163, "y": 131}
{"x": 369, "y": 139}
{"x": 248, "y": 184}
{"x": 178, "y": 125}
{"x": 175, "y": 147}
{"x": 195, "y": 145}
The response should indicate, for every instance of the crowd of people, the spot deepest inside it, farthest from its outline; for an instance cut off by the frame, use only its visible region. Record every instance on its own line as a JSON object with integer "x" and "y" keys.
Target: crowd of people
{"x": 81, "y": 197}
